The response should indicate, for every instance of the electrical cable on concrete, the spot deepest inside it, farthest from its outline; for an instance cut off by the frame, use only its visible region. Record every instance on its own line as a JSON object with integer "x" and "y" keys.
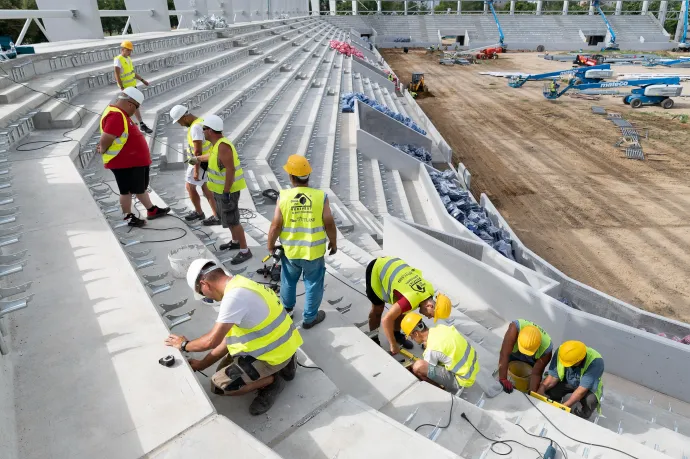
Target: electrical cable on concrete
{"x": 311, "y": 368}
{"x": 501, "y": 442}
{"x": 574, "y": 439}
{"x": 450, "y": 416}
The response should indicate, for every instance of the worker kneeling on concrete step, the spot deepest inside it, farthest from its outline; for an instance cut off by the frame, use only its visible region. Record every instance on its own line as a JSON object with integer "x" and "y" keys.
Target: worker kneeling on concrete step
{"x": 574, "y": 378}
{"x": 391, "y": 280}
{"x": 526, "y": 342}
{"x": 253, "y": 335}
{"x": 449, "y": 360}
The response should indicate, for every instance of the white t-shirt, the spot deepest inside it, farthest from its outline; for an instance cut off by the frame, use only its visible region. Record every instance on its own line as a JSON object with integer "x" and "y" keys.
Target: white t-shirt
{"x": 197, "y": 132}
{"x": 116, "y": 62}
{"x": 242, "y": 307}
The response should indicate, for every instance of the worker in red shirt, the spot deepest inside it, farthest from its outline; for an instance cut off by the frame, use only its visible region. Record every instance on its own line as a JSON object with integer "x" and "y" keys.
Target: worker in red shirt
{"x": 126, "y": 152}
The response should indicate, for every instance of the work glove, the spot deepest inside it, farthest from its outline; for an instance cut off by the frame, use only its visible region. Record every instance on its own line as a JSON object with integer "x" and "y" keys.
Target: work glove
{"x": 507, "y": 385}
{"x": 192, "y": 160}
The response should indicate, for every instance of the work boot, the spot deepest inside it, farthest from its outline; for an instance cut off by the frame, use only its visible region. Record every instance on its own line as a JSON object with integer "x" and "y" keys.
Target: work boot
{"x": 289, "y": 371}
{"x": 194, "y": 215}
{"x": 376, "y": 340}
{"x": 241, "y": 257}
{"x": 230, "y": 246}
{"x": 267, "y": 396}
{"x": 145, "y": 128}
{"x": 212, "y": 221}
{"x": 134, "y": 221}
{"x": 320, "y": 316}
{"x": 401, "y": 340}
{"x": 156, "y": 212}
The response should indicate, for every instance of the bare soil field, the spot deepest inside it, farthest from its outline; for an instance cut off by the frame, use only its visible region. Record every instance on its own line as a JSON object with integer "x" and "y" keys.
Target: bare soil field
{"x": 551, "y": 168}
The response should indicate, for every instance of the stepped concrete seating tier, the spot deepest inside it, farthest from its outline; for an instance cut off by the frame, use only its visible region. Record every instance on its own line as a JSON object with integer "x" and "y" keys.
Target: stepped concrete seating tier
{"x": 104, "y": 298}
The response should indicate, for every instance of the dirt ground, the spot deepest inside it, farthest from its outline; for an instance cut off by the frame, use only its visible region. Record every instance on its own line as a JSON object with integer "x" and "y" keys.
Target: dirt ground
{"x": 551, "y": 168}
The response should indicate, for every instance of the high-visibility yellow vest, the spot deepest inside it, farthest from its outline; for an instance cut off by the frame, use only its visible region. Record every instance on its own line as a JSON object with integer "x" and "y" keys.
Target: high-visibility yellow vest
{"x": 119, "y": 143}
{"x": 463, "y": 358}
{"x": 545, "y": 338}
{"x": 390, "y": 274}
{"x": 589, "y": 358}
{"x": 216, "y": 175}
{"x": 304, "y": 234}
{"x": 274, "y": 340}
{"x": 127, "y": 73}
{"x": 205, "y": 144}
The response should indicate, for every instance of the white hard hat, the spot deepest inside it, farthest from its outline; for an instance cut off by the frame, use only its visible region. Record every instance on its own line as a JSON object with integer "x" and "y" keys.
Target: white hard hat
{"x": 196, "y": 269}
{"x": 134, "y": 93}
{"x": 177, "y": 112}
{"x": 214, "y": 122}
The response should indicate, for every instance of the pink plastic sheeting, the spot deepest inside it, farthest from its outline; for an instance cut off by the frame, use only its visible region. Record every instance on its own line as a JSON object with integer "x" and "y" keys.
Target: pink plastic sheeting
{"x": 345, "y": 48}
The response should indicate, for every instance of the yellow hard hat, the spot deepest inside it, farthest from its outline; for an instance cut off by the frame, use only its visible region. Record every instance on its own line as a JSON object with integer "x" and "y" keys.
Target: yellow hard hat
{"x": 297, "y": 165}
{"x": 409, "y": 322}
{"x": 571, "y": 353}
{"x": 127, "y": 44}
{"x": 529, "y": 340}
{"x": 442, "y": 309}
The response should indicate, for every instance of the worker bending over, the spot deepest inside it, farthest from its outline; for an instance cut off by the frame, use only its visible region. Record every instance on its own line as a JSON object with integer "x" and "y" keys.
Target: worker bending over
{"x": 196, "y": 174}
{"x": 449, "y": 360}
{"x": 574, "y": 378}
{"x": 391, "y": 280}
{"x": 527, "y": 342}
{"x": 126, "y": 77}
{"x": 253, "y": 335}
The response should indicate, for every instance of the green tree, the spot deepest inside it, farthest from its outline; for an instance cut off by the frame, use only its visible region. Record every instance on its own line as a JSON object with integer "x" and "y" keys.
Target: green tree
{"x": 13, "y": 27}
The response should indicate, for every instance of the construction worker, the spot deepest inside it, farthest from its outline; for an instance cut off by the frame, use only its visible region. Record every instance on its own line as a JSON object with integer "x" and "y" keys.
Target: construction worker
{"x": 126, "y": 77}
{"x": 574, "y": 378}
{"x": 391, "y": 280}
{"x": 253, "y": 335}
{"x": 225, "y": 180}
{"x": 303, "y": 220}
{"x": 449, "y": 360}
{"x": 527, "y": 342}
{"x": 553, "y": 87}
{"x": 125, "y": 151}
{"x": 196, "y": 174}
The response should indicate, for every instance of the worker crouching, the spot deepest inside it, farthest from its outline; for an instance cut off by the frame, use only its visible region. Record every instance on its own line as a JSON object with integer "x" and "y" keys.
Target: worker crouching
{"x": 575, "y": 378}
{"x": 527, "y": 342}
{"x": 449, "y": 360}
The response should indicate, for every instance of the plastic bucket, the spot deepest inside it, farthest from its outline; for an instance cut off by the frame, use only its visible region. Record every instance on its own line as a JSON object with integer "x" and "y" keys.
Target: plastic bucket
{"x": 182, "y": 257}
{"x": 519, "y": 373}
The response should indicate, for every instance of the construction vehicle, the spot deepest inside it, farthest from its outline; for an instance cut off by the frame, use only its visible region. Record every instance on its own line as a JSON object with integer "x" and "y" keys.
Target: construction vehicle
{"x": 588, "y": 60}
{"x": 651, "y": 91}
{"x": 577, "y": 75}
{"x": 502, "y": 46}
{"x": 683, "y": 44}
{"x": 611, "y": 45}
{"x": 417, "y": 83}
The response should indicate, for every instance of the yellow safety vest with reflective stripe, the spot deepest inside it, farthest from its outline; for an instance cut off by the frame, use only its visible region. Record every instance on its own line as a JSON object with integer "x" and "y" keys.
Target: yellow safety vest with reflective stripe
{"x": 216, "y": 174}
{"x": 205, "y": 144}
{"x": 304, "y": 234}
{"x": 127, "y": 73}
{"x": 119, "y": 143}
{"x": 545, "y": 339}
{"x": 589, "y": 358}
{"x": 390, "y": 274}
{"x": 274, "y": 340}
{"x": 463, "y": 358}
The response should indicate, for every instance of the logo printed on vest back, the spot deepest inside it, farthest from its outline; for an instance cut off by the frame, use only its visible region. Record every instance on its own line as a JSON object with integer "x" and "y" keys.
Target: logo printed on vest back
{"x": 301, "y": 207}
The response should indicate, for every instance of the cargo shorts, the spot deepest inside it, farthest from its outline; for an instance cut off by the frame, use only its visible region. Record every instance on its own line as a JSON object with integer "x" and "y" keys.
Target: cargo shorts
{"x": 234, "y": 373}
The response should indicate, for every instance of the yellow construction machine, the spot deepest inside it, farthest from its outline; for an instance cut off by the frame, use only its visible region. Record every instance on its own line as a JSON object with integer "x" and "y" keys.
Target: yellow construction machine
{"x": 417, "y": 83}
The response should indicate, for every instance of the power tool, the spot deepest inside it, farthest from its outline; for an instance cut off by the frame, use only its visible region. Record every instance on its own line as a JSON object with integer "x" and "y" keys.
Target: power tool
{"x": 272, "y": 271}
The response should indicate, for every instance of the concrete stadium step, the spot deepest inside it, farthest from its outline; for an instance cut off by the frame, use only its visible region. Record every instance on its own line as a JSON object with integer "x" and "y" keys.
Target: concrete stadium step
{"x": 648, "y": 411}
{"x": 419, "y": 214}
{"x": 396, "y": 199}
{"x": 625, "y": 390}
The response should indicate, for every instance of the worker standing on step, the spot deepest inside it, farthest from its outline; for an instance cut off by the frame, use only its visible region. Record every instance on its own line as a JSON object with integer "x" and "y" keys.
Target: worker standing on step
{"x": 449, "y": 360}
{"x": 225, "y": 180}
{"x": 126, "y": 77}
{"x": 253, "y": 335}
{"x": 391, "y": 280}
{"x": 196, "y": 174}
{"x": 304, "y": 222}
{"x": 527, "y": 342}
{"x": 575, "y": 378}
{"x": 125, "y": 151}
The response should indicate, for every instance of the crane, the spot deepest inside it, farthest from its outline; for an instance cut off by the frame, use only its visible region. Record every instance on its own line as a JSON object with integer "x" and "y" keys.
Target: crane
{"x": 611, "y": 45}
{"x": 501, "y": 37}
{"x": 650, "y": 91}
{"x": 578, "y": 75}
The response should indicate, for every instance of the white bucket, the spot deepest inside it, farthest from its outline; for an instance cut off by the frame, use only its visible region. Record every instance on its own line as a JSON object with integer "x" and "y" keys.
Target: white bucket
{"x": 182, "y": 257}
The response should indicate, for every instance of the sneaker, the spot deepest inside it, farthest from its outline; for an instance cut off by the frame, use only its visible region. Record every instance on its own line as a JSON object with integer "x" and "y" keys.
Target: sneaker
{"x": 156, "y": 212}
{"x": 267, "y": 396}
{"x": 289, "y": 371}
{"x": 194, "y": 215}
{"x": 230, "y": 246}
{"x": 401, "y": 340}
{"x": 134, "y": 221}
{"x": 320, "y": 316}
{"x": 145, "y": 128}
{"x": 241, "y": 257}
{"x": 212, "y": 221}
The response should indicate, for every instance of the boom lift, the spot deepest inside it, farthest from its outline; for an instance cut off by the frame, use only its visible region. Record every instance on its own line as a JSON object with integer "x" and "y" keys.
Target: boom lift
{"x": 683, "y": 44}
{"x": 611, "y": 45}
{"x": 651, "y": 91}
{"x": 578, "y": 75}
{"x": 502, "y": 46}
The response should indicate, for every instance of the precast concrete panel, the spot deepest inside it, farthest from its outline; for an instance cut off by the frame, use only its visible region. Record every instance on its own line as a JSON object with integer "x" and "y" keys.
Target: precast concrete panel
{"x": 158, "y": 22}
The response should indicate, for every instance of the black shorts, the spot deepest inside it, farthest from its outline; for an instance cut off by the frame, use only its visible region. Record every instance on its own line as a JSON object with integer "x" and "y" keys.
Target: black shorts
{"x": 132, "y": 180}
{"x": 373, "y": 297}
{"x": 229, "y": 212}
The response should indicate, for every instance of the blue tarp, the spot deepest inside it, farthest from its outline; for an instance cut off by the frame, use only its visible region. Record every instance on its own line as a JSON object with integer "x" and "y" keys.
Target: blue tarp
{"x": 347, "y": 105}
{"x": 419, "y": 153}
